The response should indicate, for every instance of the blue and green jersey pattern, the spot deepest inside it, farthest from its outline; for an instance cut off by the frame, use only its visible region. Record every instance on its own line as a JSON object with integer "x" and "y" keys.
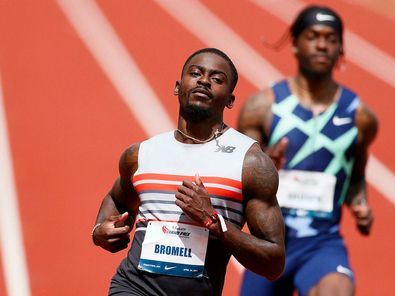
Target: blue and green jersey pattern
{"x": 324, "y": 143}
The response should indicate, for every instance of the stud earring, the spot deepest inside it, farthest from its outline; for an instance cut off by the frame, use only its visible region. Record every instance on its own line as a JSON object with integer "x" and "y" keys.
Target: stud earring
{"x": 294, "y": 50}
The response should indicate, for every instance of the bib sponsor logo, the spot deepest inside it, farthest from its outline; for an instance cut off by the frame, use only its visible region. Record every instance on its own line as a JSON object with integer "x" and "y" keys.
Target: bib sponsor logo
{"x": 177, "y": 231}
{"x": 304, "y": 181}
{"x": 305, "y": 197}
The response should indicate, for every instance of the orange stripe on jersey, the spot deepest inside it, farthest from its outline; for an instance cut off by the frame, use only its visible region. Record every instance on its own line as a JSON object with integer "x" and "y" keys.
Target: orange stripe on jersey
{"x": 179, "y": 178}
{"x": 223, "y": 181}
{"x": 224, "y": 192}
{"x": 156, "y": 186}
{"x": 173, "y": 188}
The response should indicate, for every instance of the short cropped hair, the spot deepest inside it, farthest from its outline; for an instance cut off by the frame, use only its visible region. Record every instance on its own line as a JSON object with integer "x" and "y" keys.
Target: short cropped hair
{"x": 233, "y": 71}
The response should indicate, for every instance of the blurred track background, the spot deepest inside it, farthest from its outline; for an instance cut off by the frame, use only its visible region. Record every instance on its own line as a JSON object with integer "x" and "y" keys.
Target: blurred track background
{"x": 81, "y": 80}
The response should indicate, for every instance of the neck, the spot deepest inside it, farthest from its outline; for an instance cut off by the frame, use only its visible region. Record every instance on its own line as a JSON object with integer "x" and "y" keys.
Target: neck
{"x": 198, "y": 133}
{"x": 315, "y": 95}
{"x": 319, "y": 90}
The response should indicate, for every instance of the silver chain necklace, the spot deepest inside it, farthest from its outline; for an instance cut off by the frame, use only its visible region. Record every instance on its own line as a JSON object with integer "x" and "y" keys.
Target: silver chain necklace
{"x": 215, "y": 135}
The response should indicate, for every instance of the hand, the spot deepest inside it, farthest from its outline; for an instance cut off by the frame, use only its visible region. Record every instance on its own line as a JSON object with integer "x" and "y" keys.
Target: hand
{"x": 194, "y": 200}
{"x": 113, "y": 237}
{"x": 363, "y": 215}
{"x": 277, "y": 152}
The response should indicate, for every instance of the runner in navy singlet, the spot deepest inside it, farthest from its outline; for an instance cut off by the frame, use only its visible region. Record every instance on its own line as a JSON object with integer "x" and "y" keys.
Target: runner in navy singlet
{"x": 317, "y": 133}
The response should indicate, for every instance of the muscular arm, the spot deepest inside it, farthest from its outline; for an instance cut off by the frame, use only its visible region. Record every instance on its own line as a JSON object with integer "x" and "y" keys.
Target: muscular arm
{"x": 356, "y": 197}
{"x": 263, "y": 250}
{"x": 119, "y": 207}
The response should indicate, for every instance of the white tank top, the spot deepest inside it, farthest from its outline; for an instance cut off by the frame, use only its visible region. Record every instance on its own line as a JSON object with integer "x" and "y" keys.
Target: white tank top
{"x": 163, "y": 163}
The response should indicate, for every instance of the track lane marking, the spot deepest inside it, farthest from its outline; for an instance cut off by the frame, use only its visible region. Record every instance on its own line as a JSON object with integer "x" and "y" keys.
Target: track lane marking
{"x": 382, "y": 179}
{"x": 11, "y": 236}
{"x": 108, "y": 50}
{"x": 215, "y": 33}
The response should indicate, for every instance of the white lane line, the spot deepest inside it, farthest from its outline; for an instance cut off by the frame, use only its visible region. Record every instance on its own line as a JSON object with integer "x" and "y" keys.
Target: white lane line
{"x": 104, "y": 44}
{"x": 206, "y": 26}
{"x": 358, "y": 50}
{"x": 381, "y": 178}
{"x": 11, "y": 238}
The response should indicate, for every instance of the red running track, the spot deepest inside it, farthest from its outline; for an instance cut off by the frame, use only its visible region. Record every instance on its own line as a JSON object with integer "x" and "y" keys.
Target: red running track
{"x": 68, "y": 125}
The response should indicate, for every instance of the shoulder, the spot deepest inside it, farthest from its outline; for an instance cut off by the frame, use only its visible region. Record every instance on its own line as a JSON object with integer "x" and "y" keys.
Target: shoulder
{"x": 128, "y": 162}
{"x": 259, "y": 173}
{"x": 366, "y": 122}
{"x": 159, "y": 139}
{"x": 129, "y": 158}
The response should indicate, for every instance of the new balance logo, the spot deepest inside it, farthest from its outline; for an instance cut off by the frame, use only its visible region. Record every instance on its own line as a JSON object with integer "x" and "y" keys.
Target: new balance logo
{"x": 225, "y": 149}
{"x": 325, "y": 17}
{"x": 341, "y": 121}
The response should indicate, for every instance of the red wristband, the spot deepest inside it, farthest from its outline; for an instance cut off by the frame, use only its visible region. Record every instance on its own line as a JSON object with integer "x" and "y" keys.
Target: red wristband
{"x": 213, "y": 219}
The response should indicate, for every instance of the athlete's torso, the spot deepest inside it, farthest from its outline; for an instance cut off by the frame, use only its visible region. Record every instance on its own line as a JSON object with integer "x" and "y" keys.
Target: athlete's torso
{"x": 163, "y": 164}
{"x": 323, "y": 144}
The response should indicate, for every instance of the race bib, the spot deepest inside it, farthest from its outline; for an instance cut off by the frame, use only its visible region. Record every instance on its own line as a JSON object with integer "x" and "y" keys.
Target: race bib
{"x": 173, "y": 248}
{"x": 302, "y": 193}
